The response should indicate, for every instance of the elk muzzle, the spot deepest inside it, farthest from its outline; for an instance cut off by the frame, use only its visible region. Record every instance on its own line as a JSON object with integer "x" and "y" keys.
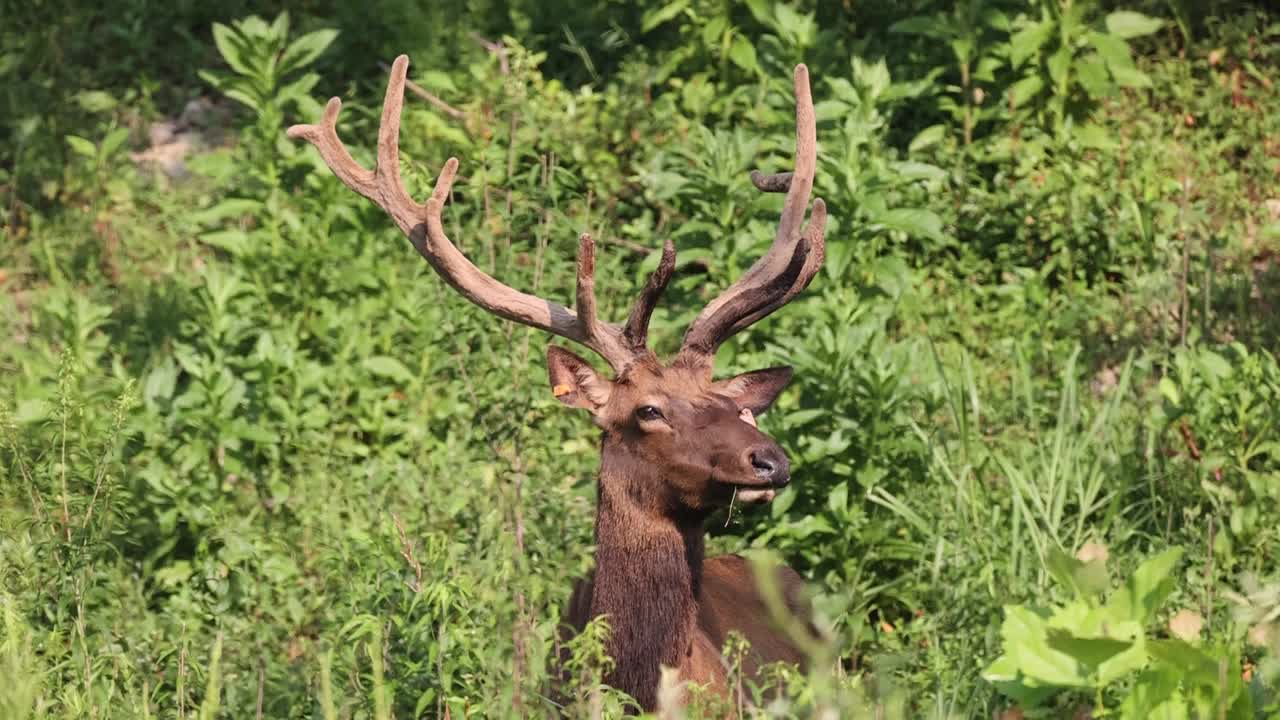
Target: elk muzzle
{"x": 770, "y": 465}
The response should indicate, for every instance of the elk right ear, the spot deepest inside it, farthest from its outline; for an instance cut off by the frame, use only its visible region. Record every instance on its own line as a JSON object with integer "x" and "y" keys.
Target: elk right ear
{"x": 574, "y": 382}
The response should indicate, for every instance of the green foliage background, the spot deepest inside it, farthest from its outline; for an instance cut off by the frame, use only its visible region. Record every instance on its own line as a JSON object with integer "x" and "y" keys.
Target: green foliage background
{"x": 259, "y": 461}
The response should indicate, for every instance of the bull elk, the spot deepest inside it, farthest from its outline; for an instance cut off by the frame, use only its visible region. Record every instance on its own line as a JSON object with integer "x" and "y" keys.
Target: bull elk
{"x": 677, "y": 444}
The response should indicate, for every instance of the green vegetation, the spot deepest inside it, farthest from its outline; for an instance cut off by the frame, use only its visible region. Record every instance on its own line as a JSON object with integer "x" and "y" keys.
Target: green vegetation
{"x": 259, "y": 461}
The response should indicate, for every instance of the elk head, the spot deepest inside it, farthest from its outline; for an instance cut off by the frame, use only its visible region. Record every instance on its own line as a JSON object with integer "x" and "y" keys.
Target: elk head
{"x": 679, "y": 441}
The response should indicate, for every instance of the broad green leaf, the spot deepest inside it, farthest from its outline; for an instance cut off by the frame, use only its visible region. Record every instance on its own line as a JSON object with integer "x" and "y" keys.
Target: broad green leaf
{"x": 995, "y": 19}
{"x": 280, "y": 26}
{"x": 1061, "y": 567}
{"x": 31, "y": 410}
{"x": 305, "y": 50}
{"x": 1124, "y": 663}
{"x": 985, "y": 70}
{"x": 1128, "y": 24}
{"x": 1009, "y": 680}
{"x": 912, "y": 171}
{"x": 1093, "y": 136}
{"x": 927, "y": 138}
{"x": 1131, "y": 78}
{"x": 1213, "y": 364}
{"x": 1025, "y": 89}
{"x": 235, "y": 242}
{"x": 1156, "y": 695}
{"x": 231, "y": 48}
{"x": 1169, "y": 390}
{"x": 1028, "y": 41}
{"x": 1089, "y": 624}
{"x": 800, "y": 27}
{"x": 838, "y": 499}
{"x": 660, "y": 15}
{"x": 95, "y": 101}
{"x": 214, "y": 79}
{"x": 244, "y": 98}
{"x": 1146, "y": 590}
{"x": 917, "y": 222}
{"x": 1114, "y": 51}
{"x": 161, "y": 382}
{"x": 714, "y": 31}
{"x": 1093, "y": 77}
{"x": 1191, "y": 662}
{"x": 800, "y": 417}
{"x": 388, "y": 367}
{"x": 437, "y": 80}
{"x": 229, "y": 208}
{"x": 934, "y": 26}
{"x": 760, "y": 10}
{"x": 300, "y": 89}
{"x": 1090, "y": 651}
{"x": 1085, "y": 579}
{"x": 810, "y": 525}
{"x": 1024, "y": 635}
{"x": 112, "y": 142}
{"x": 743, "y": 54}
{"x": 1059, "y": 63}
{"x": 962, "y": 48}
{"x": 782, "y": 503}
{"x": 872, "y": 76}
{"x": 81, "y": 146}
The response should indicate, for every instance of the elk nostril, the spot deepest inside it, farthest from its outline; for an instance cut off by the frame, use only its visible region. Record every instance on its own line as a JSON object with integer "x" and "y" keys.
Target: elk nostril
{"x": 771, "y": 466}
{"x": 763, "y": 466}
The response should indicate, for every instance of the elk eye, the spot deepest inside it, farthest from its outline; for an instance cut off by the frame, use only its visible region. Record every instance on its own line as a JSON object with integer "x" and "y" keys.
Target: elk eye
{"x": 647, "y": 413}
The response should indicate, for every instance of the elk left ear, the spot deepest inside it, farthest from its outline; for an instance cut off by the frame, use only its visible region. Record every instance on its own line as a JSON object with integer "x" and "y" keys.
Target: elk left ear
{"x": 755, "y": 390}
{"x": 574, "y": 382}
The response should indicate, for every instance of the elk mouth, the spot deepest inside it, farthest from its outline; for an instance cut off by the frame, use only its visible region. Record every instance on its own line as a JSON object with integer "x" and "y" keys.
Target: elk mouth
{"x": 767, "y": 476}
{"x": 753, "y": 494}
{"x": 750, "y": 493}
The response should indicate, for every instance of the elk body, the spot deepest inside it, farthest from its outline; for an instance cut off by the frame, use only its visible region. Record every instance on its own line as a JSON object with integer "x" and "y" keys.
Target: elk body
{"x": 676, "y": 443}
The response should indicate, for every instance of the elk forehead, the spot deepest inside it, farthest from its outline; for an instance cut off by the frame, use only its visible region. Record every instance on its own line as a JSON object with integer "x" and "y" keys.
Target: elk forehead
{"x": 677, "y": 386}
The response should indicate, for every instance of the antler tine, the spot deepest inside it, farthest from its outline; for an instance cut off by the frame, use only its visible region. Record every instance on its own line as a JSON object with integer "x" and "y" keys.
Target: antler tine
{"x": 324, "y": 136}
{"x": 814, "y": 240}
{"x": 767, "y": 298}
{"x": 759, "y": 291}
{"x": 425, "y": 228}
{"x": 775, "y": 183}
{"x": 636, "y": 331}
{"x": 395, "y": 199}
{"x": 586, "y": 290}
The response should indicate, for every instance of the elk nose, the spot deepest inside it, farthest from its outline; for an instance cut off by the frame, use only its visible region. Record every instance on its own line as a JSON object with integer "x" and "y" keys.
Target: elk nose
{"x": 771, "y": 466}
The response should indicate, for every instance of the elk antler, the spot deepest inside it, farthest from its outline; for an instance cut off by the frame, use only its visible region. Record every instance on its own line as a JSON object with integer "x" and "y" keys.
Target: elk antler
{"x": 791, "y": 261}
{"x": 422, "y": 224}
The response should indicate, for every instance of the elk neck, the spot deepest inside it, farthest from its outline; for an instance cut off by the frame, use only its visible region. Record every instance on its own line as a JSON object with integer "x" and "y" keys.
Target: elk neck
{"x": 647, "y": 578}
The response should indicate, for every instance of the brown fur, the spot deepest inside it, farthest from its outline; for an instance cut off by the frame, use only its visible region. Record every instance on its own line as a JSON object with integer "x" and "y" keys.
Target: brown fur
{"x": 658, "y": 483}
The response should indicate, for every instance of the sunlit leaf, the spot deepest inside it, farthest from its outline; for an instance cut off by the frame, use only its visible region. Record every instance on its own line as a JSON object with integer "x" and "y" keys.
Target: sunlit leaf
{"x": 1146, "y": 589}
{"x": 918, "y": 222}
{"x": 743, "y": 54}
{"x": 82, "y": 146}
{"x": 1028, "y": 42}
{"x": 304, "y": 51}
{"x": 232, "y": 48}
{"x": 387, "y": 367}
{"x": 657, "y": 16}
{"x": 1129, "y": 24}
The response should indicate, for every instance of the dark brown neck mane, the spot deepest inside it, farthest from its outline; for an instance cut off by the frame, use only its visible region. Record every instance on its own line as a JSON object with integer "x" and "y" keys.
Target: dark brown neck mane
{"x": 647, "y": 580}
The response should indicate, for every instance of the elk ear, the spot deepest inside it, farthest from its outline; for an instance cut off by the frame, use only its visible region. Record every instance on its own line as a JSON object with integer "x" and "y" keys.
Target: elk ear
{"x": 755, "y": 390}
{"x": 574, "y": 382}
